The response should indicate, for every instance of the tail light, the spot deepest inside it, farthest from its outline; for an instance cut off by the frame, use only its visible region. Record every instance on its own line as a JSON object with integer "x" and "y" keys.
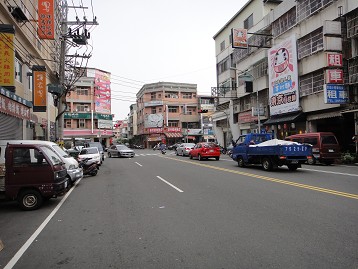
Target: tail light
{"x": 282, "y": 157}
{"x": 188, "y": 148}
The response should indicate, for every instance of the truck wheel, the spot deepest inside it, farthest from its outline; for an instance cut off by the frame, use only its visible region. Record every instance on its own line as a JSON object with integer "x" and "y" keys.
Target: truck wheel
{"x": 30, "y": 199}
{"x": 292, "y": 167}
{"x": 311, "y": 160}
{"x": 240, "y": 162}
{"x": 267, "y": 164}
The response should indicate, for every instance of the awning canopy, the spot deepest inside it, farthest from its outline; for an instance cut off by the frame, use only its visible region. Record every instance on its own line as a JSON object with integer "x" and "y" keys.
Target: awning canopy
{"x": 171, "y": 135}
{"x": 325, "y": 115}
{"x": 285, "y": 118}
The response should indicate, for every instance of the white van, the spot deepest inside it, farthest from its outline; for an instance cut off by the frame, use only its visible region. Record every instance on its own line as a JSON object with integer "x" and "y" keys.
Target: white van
{"x": 73, "y": 171}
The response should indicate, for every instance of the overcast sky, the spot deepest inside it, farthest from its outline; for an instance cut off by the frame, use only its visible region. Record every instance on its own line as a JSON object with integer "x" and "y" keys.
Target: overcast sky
{"x": 141, "y": 41}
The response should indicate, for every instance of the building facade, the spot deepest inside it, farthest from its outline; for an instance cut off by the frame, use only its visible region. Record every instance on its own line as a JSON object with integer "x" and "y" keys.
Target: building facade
{"x": 29, "y": 62}
{"x": 303, "y": 75}
{"x": 167, "y": 112}
{"x": 88, "y": 114}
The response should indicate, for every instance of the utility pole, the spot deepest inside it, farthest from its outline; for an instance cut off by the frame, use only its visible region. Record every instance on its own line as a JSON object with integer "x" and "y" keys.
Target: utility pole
{"x": 79, "y": 39}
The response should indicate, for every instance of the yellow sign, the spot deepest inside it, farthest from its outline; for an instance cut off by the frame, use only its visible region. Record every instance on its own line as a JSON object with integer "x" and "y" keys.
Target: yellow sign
{"x": 7, "y": 59}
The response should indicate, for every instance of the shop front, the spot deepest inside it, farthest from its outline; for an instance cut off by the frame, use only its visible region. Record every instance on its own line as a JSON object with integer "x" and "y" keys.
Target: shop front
{"x": 14, "y": 116}
{"x": 286, "y": 124}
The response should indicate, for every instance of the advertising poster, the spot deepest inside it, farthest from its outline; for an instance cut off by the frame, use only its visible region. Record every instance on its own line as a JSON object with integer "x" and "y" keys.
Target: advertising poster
{"x": 239, "y": 38}
{"x": 283, "y": 77}
{"x": 102, "y": 92}
{"x": 46, "y": 21}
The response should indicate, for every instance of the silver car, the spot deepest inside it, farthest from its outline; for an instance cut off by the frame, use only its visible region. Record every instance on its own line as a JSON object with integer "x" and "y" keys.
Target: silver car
{"x": 184, "y": 148}
{"x": 120, "y": 151}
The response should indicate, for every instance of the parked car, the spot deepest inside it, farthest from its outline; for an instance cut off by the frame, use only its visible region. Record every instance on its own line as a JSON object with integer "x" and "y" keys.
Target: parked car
{"x": 205, "y": 150}
{"x": 184, "y": 148}
{"x": 98, "y": 145}
{"x": 91, "y": 152}
{"x": 325, "y": 146}
{"x": 120, "y": 151}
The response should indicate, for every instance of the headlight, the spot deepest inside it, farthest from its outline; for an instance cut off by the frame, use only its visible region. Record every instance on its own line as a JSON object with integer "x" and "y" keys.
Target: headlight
{"x": 71, "y": 167}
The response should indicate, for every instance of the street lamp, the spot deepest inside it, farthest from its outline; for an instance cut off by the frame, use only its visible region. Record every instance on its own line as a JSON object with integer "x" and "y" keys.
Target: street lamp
{"x": 246, "y": 76}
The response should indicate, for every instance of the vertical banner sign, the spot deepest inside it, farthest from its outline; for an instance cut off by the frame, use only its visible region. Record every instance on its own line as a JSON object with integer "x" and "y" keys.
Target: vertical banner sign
{"x": 239, "y": 38}
{"x": 283, "y": 77}
{"x": 46, "y": 21}
{"x": 39, "y": 98}
{"x": 102, "y": 92}
{"x": 7, "y": 57}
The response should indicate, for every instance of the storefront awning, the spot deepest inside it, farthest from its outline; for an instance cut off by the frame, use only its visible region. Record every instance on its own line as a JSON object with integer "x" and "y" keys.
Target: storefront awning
{"x": 171, "y": 135}
{"x": 285, "y": 118}
{"x": 326, "y": 115}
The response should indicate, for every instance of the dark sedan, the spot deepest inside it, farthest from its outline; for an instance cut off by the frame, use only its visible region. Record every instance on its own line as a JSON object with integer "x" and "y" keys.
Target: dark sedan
{"x": 120, "y": 151}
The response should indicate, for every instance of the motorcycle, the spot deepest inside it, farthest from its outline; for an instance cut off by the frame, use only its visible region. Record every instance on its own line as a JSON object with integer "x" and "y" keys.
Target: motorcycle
{"x": 163, "y": 151}
{"x": 88, "y": 168}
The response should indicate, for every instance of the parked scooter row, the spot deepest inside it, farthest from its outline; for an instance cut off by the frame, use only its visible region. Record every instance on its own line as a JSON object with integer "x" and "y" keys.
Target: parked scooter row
{"x": 89, "y": 168}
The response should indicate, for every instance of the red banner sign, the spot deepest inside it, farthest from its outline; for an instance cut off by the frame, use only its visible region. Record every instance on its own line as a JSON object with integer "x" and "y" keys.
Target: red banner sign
{"x": 334, "y": 59}
{"x": 46, "y": 21}
{"x": 334, "y": 76}
{"x": 13, "y": 108}
{"x": 39, "y": 92}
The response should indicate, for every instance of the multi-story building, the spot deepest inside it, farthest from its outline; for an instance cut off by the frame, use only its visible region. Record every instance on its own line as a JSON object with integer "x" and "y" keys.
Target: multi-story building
{"x": 207, "y": 108}
{"x": 167, "y": 112}
{"x": 235, "y": 99}
{"x": 303, "y": 75}
{"x": 132, "y": 123}
{"x": 29, "y": 56}
{"x": 88, "y": 113}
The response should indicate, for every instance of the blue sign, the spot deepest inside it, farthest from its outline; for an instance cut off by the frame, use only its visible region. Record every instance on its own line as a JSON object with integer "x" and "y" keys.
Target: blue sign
{"x": 335, "y": 94}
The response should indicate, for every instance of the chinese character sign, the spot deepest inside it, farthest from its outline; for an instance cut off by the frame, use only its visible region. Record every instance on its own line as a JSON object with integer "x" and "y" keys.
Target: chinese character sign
{"x": 334, "y": 59}
{"x": 46, "y": 22}
{"x": 7, "y": 59}
{"x": 239, "y": 38}
{"x": 102, "y": 92}
{"x": 334, "y": 76}
{"x": 283, "y": 77}
{"x": 335, "y": 94}
{"x": 39, "y": 91}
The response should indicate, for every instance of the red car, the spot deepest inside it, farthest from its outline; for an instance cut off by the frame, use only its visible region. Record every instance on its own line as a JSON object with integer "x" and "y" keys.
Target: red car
{"x": 205, "y": 150}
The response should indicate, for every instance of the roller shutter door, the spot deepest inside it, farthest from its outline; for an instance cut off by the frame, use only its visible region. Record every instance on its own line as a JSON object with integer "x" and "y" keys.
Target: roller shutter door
{"x": 10, "y": 127}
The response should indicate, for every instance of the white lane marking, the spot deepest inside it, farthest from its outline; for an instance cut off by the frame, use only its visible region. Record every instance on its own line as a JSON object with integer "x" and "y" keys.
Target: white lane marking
{"x": 138, "y": 164}
{"x": 171, "y": 185}
{"x": 330, "y": 172}
{"x": 22, "y": 250}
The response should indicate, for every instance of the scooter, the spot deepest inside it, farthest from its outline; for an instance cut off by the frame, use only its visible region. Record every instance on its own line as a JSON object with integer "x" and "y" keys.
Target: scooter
{"x": 163, "y": 151}
{"x": 88, "y": 168}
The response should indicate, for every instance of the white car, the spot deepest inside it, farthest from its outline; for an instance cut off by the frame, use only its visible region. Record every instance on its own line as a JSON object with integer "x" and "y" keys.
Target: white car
{"x": 92, "y": 153}
{"x": 184, "y": 148}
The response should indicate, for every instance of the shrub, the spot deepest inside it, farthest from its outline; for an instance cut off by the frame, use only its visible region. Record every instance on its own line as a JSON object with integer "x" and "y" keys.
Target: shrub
{"x": 348, "y": 157}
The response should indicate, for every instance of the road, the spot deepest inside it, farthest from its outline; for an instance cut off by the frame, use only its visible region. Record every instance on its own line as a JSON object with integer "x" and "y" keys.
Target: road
{"x": 167, "y": 211}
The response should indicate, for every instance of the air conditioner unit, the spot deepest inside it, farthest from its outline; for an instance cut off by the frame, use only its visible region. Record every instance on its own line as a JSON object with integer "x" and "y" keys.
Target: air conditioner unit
{"x": 19, "y": 13}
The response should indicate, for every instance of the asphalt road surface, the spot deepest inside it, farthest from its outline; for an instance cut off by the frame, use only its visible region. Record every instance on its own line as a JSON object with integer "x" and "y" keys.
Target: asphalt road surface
{"x": 167, "y": 211}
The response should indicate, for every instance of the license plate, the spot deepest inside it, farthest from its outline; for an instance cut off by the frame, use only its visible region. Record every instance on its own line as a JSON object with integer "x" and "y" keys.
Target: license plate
{"x": 294, "y": 161}
{"x": 211, "y": 150}
{"x": 331, "y": 150}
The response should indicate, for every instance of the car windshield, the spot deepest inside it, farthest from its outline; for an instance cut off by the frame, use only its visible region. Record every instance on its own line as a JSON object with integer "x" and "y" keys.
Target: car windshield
{"x": 329, "y": 139}
{"x": 121, "y": 147}
{"x": 210, "y": 145}
{"x": 60, "y": 151}
{"x": 188, "y": 145}
{"x": 89, "y": 151}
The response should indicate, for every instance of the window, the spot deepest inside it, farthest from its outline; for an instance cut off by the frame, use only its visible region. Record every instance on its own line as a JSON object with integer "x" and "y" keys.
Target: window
{"x": 153, "y": 110}
{"x": 67, "y": 123}
{"x": 222, "y": 45}
{"x": 82, "y": 108}
{"x": 311, "y": 83}
{"x": 223, "y": 65}
{"x": 82, "y": 91}
{"x": 187, "y": 95}
{"x": 310, "y": 43}
{"x": 159, "y": 109}
{"x": 81, "y": 123}
{"x": 173, "y": 123}
{"x": 18, "y": 70}
{"x": 173, "y": 109}
{"x": 285, "y": 22}
{"x": 306, "y": 8}
{"x": 249, "y": 22}
{"x": 152, "y": 96}
{"x": 171, "y": 95}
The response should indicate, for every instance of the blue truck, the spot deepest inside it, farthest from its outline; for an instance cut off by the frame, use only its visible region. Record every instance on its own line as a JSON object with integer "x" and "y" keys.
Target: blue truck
{"x": 263, "y": 149}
